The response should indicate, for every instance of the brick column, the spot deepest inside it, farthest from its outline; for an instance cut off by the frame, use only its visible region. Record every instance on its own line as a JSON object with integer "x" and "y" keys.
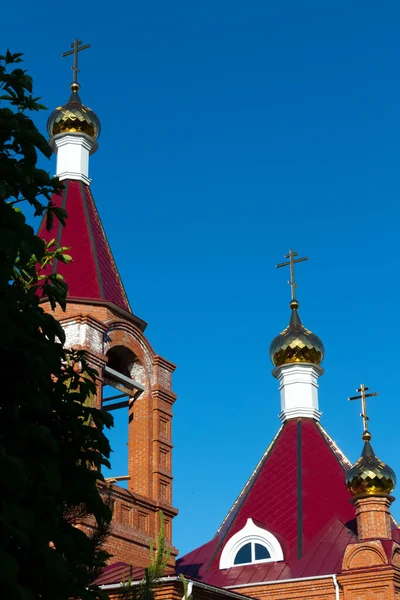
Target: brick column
{"x": 373, "y": 517}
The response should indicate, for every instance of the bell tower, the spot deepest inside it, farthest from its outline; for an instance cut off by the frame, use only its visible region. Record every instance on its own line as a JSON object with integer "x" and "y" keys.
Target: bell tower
{"x": 99, "y": 319}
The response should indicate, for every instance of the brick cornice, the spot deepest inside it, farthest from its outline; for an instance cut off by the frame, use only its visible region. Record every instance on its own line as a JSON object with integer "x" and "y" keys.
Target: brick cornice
{"x": 85, "y": 319}
{"x": 126, "y": 532}
{"x": 164, "y": 363}
{"x": 166, "y": 473}
{"x": 163, "y": 394}
{"x": 164, "y": 441}
{"x": 136, "y": 321}
{"x": 142, "y": 501}
{"x": 98, "y": 362}
{"x": 365, "y": 574}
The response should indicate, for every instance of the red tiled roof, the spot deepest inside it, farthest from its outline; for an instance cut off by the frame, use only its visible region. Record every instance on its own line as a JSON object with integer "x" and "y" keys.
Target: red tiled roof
{"x": 93, "y": 274}
{"x": 297, "y": 492}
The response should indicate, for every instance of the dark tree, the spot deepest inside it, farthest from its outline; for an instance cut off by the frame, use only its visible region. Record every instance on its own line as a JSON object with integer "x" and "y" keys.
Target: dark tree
{"x": 52, "y": 444}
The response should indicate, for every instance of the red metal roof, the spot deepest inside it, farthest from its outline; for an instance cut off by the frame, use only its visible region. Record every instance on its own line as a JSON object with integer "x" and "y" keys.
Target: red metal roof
{"x": 93, "y": 274}
{"x": 118, "y": 573}
{"x": 297, "y": 492}
{"x": 121, "y": 572}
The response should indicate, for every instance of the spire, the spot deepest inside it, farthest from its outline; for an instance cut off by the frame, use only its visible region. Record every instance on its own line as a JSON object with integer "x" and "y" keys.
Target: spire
{"x": 297, "y": 354}
{"x": 93, "y": 274}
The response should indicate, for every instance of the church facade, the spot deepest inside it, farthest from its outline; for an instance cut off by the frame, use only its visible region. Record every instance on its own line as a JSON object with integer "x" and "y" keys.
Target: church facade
{"x": 307, "y": 524}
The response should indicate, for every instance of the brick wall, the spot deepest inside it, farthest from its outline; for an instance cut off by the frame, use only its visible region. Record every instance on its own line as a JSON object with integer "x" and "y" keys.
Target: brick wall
{"x": 373, "y": 517}
{"x": 315, "y": 589}
{"x": 100, "y": 330}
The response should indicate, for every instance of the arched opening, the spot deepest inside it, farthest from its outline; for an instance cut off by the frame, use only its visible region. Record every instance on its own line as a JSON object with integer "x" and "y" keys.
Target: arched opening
{"x": 120, "y": 389}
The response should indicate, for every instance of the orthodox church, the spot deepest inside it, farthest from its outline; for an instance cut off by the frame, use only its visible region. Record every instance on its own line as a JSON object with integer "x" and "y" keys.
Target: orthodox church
{"x": 307, "y": 523}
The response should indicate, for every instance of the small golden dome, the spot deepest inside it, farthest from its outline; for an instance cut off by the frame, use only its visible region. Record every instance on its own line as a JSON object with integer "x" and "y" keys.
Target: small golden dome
{"x": 296, "y": 344}
{"x": 74, "y": 117}
{"x": 369, "y": 475}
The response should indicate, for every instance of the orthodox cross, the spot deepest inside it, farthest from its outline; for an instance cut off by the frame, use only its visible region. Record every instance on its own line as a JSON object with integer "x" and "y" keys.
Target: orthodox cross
{"x": 76, "y": 47}
{"x": 363, "y": 397}
{"x": 291, "y": 262}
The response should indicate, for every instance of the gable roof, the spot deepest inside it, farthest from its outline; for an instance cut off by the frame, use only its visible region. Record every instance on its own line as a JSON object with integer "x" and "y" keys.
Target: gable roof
{"x": 297, "y": 493}
{"x": 93, "y": 274}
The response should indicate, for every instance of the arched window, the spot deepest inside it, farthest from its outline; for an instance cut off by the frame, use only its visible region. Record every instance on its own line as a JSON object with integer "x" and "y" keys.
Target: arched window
{"x": 250, "y": 545}
{"x": 251, "y": 552}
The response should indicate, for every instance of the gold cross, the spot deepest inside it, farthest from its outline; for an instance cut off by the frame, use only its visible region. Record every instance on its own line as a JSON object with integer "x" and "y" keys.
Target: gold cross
{"x": 362, "y": 397}
{"x": 76, "y": 47}
{"x": 291, "y": 262}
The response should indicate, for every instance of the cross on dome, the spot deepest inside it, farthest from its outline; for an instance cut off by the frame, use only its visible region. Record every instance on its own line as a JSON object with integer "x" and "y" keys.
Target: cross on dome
{"x": 76, "y": 47}
{"x": 362, "y": 389}
{"x": 295, "y": 344}
{"x": 74, "y": 118}
{"x": 291, "y": 262}
{"x": 369, "y": 476}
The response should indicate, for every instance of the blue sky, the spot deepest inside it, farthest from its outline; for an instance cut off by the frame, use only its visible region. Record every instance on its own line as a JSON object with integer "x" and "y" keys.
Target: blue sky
{"x": 233, "y": 131}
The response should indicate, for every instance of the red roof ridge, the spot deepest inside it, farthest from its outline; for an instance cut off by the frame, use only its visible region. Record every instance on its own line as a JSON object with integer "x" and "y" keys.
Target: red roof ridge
{"x": 250, "y": 481}
{"x": 342, "y": 458}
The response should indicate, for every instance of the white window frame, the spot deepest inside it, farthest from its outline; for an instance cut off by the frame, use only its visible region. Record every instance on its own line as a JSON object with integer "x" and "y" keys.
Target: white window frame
{"x": 250, "y": 533}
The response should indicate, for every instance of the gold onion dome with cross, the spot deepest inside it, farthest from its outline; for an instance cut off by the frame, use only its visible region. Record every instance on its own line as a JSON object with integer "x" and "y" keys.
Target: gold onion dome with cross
{"x": 74, "y": 117}
{"x": 295, "y": 344}
{"x": 369, "y": 476}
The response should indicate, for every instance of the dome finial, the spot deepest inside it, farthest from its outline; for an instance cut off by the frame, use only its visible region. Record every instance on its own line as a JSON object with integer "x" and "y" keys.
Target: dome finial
{"x": 369, "y": 475}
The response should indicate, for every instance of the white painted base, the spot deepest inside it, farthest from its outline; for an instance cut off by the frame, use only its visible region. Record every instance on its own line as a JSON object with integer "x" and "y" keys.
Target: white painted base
{"x": 81, "y": 333}
{"x": 73, "y": 150}
{"x": 299, "y": 390}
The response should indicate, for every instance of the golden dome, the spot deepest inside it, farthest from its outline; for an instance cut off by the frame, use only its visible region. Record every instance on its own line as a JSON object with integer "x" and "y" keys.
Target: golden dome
{"x": 74, "y": 117}
{"x": 369, "y": 475}
{"x": 296, "y": 344}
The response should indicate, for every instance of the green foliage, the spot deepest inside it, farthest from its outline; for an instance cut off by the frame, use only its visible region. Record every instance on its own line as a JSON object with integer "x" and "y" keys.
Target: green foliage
{"x": 187, "y": 592}
{"x": 159, "y": 559}
{"x": 52, "y": 444}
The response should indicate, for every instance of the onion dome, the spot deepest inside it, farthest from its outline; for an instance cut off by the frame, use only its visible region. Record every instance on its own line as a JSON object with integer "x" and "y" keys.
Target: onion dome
{"x": 369, "y": 475}
{"x": 74, "y": 117}
{"x": 296, "y": 344}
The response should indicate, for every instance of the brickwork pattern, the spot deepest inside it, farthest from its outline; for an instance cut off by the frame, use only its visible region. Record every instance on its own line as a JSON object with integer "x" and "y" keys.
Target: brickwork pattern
{"x": 315, "y": 589}
{"x": 373, "y": 517}
{"x": 99, "y": 329}
{"x": 369, "y": 584}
